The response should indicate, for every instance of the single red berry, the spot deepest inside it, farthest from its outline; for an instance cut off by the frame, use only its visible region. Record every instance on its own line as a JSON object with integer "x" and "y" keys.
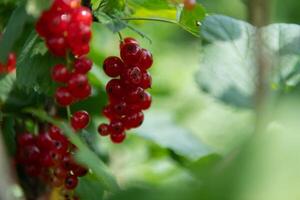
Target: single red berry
{"x": 130, "y": 53}
{"x": 77, "y": 83}
{"x": 135, "y": 95}
{"x": 55, "y": 133}
{"x": 46, "y": 160}
{"x": 103, "y": 129}
{"x": 113, "y": 66}
{"x": 71, "y": 182}
{"x": 61, "y": 145}
{"x": 58, "y": 24}
{"x": 82, "y": 15}
{"x": 84, "y": 92}
{"x": 146, "y": 59}
{"x": 12, "y": 59}
{"x": 146, "y": 80}
{"x": 146, "y": 101}
{"x": 116, "y": 127}
{"x": 128, "y": 40}
{"x": 79, "y": 171}
{"x": 132, "y": 76}
{"x": 108, "y": 112}
{"x": 80, "y": 50}
{"x": 57, "y": 45}
{"x": 29, "y": 154}
{"x": 78, "y": 35}
{"x": 82, "y": 65}
{"x": 119, "y": 108}
{"x": 118, "y": 138}
{"x": 80, "y": 120}
{"x": 60, "y": 73}
{"x": 63, "y": 96}
{"x": 114, "y": 88}
{"x": 44, "y": 141}
{"x": 189, "y": 4}
{"x": 25, "y": 139}
{"x": 134, "y": 120}
{"x": 41, "y": 25}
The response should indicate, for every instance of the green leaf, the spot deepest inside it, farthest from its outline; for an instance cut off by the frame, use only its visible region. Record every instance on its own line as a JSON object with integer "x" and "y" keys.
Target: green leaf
{"x": 6, "y": 86}
{"x": 9, "y": 134}
{"x": 112, "y": 22}
{"x": 89, "y": 188}
{"x": 190, "y": 20}
{"x": 84, "y": 155}
{"x": 153, "y": 4}
{"x": 35, "y": 7}
{"x": 162, "y": 130}
{"x": 12, "y": 32}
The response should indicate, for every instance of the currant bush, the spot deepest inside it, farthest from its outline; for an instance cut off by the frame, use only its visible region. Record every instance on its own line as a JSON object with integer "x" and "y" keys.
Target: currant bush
{"x": 126, "y": 91}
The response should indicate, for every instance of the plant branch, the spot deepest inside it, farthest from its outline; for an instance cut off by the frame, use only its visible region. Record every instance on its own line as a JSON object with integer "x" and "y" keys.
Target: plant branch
{"x": 149, "y": 19}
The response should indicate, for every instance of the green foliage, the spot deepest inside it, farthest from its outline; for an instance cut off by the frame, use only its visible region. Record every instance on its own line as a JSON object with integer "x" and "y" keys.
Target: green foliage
{"x": 35, "y": 7}
{"x": 9, "y": 133}
{"x": 89, "y": 188}
{"x": 228, "y": 65}
{"x": 161, "y": 129}
{"x": 12, "y": 32}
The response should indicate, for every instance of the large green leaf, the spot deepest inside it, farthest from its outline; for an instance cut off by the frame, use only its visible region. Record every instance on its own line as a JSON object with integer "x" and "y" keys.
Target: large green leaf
{"x": 228, "y": 64}
{"x": 162, "y": 130}
{"x": 12, "y": 32}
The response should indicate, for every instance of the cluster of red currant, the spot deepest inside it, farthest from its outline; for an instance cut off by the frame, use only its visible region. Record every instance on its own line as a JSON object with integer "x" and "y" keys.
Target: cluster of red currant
{"x": 48, "y": 156}
{"x": 10, "y": 66}
{"x": 127, "y": 95}
{"x": 76, "y": 85}
{"x": 66, "y": 25}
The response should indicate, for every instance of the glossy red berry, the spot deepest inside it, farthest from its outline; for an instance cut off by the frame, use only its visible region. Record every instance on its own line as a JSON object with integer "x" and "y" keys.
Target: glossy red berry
{"x": 58, "y": 24}
{"x": 119, "y": 108}
{"x": 118, "y": 138}
{"x": 44, "y": 141}
{"x": 80, "y": 120}
{"x": 82, "y": 15}
{"x": 113, "y": 66}
{"x": 82, "y": 65}
{"x": 57, "y": 45}
{"x": 146, "y": 59}
{"x": 63, "y": 96}
{"x": 135, "y": 96}
{"x": 132, "y": 75}
{"x": 25, "y": 139}
{"x": 114, "y": 88}
{"x": 108, "y": 112}
{"x": 134, "y": 120}
{"x": 146, "y": 80}
{"x": 71, "y": 182}
{"x": 60, "y": 73}
{"x": 130, "y": 53}
{"x": 103, "y": 129}
{"x": 146, "y": 101}
{"x": 116, "y": 127}
{"x": 12, "y": 59}
{"x": 77, "y": 85}
{"x": 128, "y": 40}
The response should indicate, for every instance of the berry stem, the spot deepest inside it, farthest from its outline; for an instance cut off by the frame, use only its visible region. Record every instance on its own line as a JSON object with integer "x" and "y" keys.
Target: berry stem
{"x": 120, "y": 36}
{"x": 68, "y": 60}
{"x": 149, "y": 19}
{"x": 69, "y": 113}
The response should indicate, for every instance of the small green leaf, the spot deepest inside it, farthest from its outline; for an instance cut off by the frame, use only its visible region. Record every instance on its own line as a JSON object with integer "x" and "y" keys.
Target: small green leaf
{"x": 162, "y": 130}
{"x": 190, "y": 20}
{"x": 12, "y": 32}
{"x": 113, "y": 22}
{"x": 89, "y": 188}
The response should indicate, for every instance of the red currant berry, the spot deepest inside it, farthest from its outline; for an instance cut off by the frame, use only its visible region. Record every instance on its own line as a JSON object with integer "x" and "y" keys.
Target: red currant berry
{"x": 44, "y": 141}
{"x": 32, "y": 170}
{"x": 60, "y": 73}
{"x": 189, "y": 4}
{"x": 146, "y": 101}
{"x": 132, "y": 75}
{"x": 135, "y": 95}
{"x": 65, "y": 5}
{"x": 71, "y": 182}
{"x": 82, "y": 65}
{"x": 114, "y": 88}
{"x": 29, "y": 154}
{"x": 103, "y": 129}
{"x": 12, "y": 59}
{"x": 108, "y": 112}
{"x": 133, "y": 121}
{"x": 119, "y": 108}
{"x": 116, "y": 127}
{"x": 112, "y": 66}
{"x": 77, "y": 83}
{"x": 130, "y": 53}
{"x": 79, "y": 171}
{"x": 118, "y": 138}
{"x": 78, "y": 35}
{"x": 146, "y": 59}
{"x": 80, "y": 120}
{"x": 146, "y": 80}
{"x": 82, "y": 15}
{"x": 128, "y": 40}
{"x": 58, "y": 23}
{"x": 25, "y": 139}
{"x": 57, "y": 45}
{"x": 84, "y": 92}
{"x": 80, "y": 50}
{"x": 63, "y": 96}
{"x": 55, "y": 133}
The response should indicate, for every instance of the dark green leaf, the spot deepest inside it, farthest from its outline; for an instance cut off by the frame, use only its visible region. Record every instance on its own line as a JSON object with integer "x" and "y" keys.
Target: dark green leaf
{"x": 9, "y": 134}
{"x": 89, "y": 188}
{"x": 162, "y": 130}
{"x": 12, "y": 32}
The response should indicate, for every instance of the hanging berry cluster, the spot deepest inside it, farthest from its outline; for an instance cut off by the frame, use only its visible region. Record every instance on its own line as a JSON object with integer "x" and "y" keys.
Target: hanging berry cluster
{"x": 66, "y": 27}
{"x": 10, "y": 66}
{"x": 48, "y": 157}
{"x": 126, "y": 91}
